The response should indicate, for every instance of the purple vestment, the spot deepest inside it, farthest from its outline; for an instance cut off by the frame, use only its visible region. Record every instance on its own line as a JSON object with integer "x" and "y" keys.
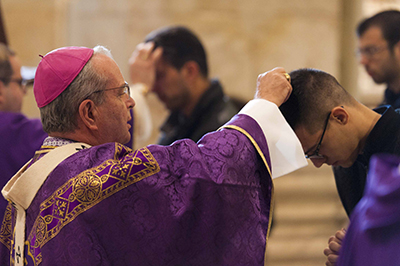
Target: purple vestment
{"x": 185, "y": 204}
{"x": 373, "y": 237}
{"x": 20, "y": 137}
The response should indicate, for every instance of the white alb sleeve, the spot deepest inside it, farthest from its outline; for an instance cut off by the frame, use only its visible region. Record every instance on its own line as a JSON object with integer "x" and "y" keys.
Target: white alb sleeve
{"x": 285, "y": 149}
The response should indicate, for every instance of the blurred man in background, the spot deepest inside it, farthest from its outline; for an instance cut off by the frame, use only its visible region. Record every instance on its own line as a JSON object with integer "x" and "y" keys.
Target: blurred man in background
{"x": 379, "y": 52}
{"x": 197, "y": 103}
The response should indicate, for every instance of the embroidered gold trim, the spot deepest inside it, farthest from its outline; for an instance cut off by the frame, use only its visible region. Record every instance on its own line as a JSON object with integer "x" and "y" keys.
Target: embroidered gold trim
{"x": 43, "y": 151}
{"x": 87, "y": 190}
{"x": 6, "y": 227}
{"x": 48, "y": 147}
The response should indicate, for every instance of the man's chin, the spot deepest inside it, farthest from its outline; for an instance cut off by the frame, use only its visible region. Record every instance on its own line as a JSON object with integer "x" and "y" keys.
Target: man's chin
{"x": 126, "y": 140}
{"x": 377, "y": 80}
{"x": 345, "y": 164}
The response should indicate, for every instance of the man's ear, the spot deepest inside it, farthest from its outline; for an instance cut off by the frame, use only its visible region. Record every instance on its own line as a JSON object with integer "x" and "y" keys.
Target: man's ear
{"x": 88, "y": 114}
{"x": 340, "y": 115}
{"x": 190, "y": 70}
{"x": 396, "y": 50}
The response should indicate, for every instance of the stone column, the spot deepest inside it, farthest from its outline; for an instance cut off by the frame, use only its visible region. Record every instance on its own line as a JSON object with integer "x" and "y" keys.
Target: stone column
{"x": 348, "y": 73}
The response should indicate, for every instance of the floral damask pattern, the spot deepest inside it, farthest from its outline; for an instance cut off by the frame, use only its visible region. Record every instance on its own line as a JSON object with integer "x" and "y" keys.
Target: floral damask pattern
{"x": 83, "y": 192}
{"x": 205, "y": 203}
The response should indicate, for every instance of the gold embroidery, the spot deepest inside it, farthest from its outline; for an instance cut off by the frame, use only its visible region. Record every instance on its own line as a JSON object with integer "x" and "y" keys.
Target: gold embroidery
{"x": 59, "y": 209}
{"x": 45, "y": 149}
{"x": 86, "y": 190}
{"x": 48, "y": 147}
{"x": 40, "y": 231}
{"x": 48, "y": 219}
{"x": 30, "y": 255}
{"x": 6, "y": 227}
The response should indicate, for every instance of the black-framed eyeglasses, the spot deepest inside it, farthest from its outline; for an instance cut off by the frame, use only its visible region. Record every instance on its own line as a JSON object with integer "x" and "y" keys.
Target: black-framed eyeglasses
{"x": 127, "y": 89}
{"x": 315, "y": 154}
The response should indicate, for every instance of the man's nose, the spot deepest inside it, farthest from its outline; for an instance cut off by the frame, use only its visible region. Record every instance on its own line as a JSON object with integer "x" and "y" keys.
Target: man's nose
{"x": 130, "y": 103}
{"x": 363, "y": 59}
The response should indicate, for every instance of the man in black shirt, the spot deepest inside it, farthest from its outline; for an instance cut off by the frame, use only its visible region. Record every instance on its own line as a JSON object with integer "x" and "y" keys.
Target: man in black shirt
{"x": 337, "y": 130}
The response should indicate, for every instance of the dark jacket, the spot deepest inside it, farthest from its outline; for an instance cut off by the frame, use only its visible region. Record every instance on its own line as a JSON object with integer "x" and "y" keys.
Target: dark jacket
{"x": 391, "y": 98}
{"x": 212, "y": 111}
{"x": 384, "y": 138}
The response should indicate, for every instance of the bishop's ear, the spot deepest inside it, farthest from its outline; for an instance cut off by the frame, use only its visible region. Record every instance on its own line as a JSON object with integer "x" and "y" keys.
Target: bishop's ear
{"x": 340, "y": 115}
{"x": 88, "y": 114}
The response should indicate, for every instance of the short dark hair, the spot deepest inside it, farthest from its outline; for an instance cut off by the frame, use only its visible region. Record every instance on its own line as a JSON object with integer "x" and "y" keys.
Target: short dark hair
{"x": 314, "y": 94}
{"x": 389, "y": 23}
{"x": 180, "y": 45}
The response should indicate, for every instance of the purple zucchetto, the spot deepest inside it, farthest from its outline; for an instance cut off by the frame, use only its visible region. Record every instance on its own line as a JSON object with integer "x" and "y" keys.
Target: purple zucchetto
{"x": 57, "y": 70}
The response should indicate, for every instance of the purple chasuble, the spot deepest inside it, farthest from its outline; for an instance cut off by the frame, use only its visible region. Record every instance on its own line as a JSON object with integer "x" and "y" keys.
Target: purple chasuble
{"x": 20, "y": 137}
{"x": 373, "y": 237}
{"x": 184, "y": 204}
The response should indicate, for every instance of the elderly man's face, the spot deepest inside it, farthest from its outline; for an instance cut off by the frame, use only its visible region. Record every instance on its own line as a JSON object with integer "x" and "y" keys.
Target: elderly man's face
{"x": 376, "y": 57}
{"x": 115, "y": 110}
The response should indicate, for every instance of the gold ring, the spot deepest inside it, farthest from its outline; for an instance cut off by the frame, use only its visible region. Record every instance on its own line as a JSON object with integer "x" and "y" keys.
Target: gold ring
{"x": 287, "y": 76}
